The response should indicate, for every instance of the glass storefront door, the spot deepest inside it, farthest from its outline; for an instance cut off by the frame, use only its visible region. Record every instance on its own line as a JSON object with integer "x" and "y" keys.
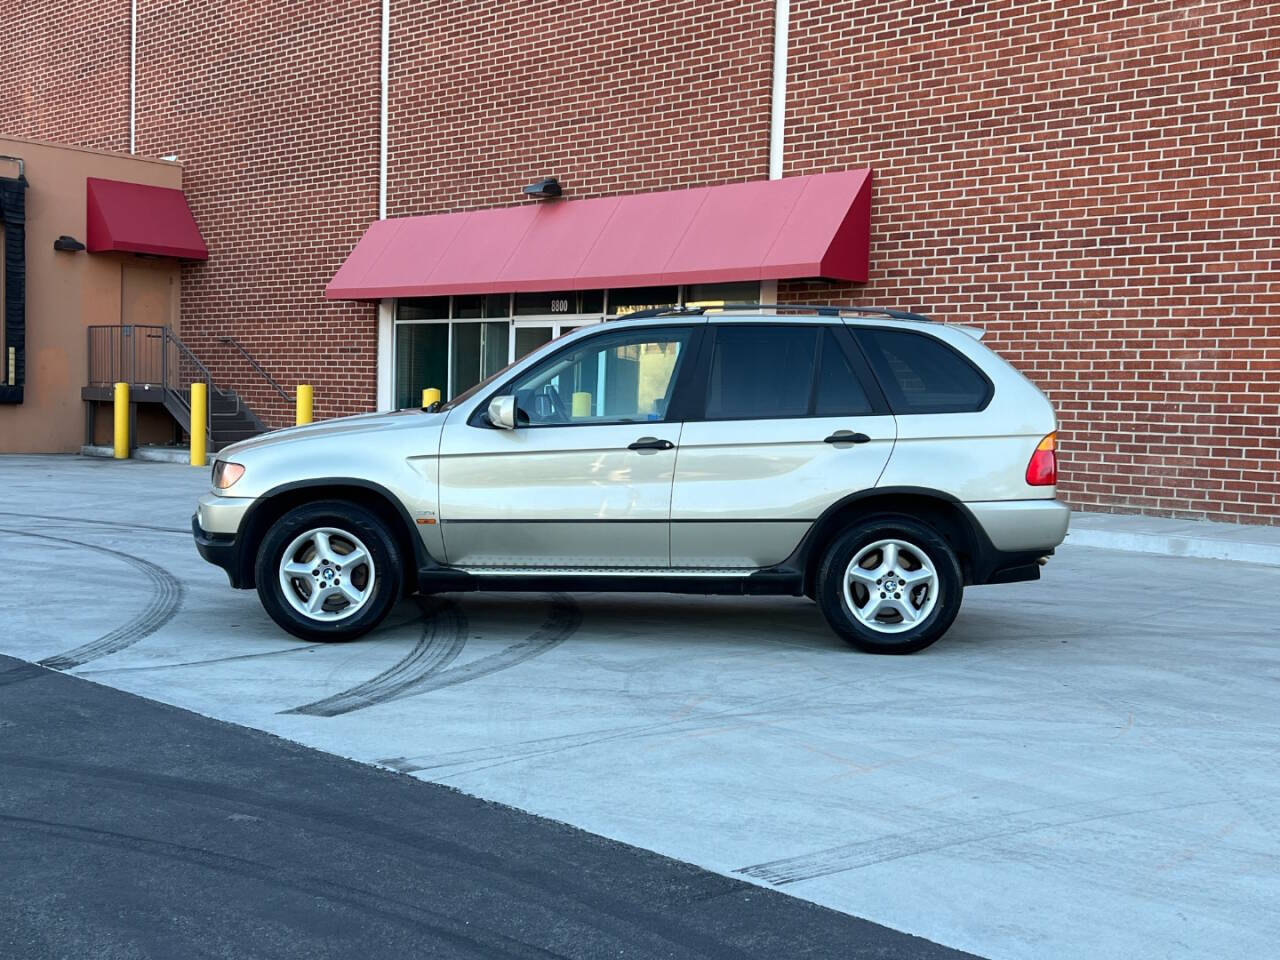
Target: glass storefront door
{"x": 529, "y": 338}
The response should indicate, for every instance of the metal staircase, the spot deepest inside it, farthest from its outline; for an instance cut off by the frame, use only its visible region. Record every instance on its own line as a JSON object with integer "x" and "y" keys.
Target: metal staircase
{"x": 160, "y": 368}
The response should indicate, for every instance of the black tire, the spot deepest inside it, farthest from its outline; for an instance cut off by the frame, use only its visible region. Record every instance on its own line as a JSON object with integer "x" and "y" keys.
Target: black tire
{"x": 347, "y": 518}
{"x": 835, "y": 607}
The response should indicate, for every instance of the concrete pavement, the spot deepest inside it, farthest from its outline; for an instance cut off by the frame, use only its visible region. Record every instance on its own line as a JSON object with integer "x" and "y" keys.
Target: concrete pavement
{"x": 1084, "y": 766}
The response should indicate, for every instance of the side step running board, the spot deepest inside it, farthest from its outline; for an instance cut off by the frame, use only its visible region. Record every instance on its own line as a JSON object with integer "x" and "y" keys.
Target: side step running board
{"x": 774, "y": 582}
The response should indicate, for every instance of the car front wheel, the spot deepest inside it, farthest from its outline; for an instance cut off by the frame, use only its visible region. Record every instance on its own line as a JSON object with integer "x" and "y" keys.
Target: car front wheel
{"x": 328, "y": 571}
{"x": 890, "y": 585}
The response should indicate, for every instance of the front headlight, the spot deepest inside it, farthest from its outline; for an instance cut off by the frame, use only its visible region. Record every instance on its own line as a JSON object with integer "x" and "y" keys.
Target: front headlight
{"x": 225, "y": 473}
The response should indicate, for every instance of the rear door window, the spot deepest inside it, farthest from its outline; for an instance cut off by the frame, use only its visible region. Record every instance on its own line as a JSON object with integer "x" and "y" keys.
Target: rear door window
{"x": 921, "y": 374}
{"x": 760, "y": 372}
{"x": 839, "y": 392}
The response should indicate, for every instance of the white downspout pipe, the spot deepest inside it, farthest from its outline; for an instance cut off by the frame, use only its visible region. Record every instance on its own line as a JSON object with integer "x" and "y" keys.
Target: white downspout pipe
{"x": 778, "y": 107}
{"x": 384, "y": 73}
{"x": 133, "y": 76}
{"x": 385, "y": 397}
{"x": 777, "y": 113}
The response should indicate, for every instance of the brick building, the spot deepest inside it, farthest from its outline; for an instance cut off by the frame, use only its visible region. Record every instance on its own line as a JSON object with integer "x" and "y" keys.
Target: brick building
{"x": 1093, "y": 182}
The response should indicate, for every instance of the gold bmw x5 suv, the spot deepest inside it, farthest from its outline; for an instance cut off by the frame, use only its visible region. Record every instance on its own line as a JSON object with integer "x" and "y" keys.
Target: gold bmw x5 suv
{"x": 869, "y": 459}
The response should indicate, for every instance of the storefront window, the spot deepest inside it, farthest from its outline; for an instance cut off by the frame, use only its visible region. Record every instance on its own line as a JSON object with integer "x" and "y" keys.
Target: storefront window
{"x": 718, "y": 294}
{"x": 479, "y": 349}
{"x": 421, "y": 353}
{"x": 625, "y": 300}
{"x": 452, "y": 343}
{"x": 482, "y": 307}
{"x": 423, "y": 308}
{"x": 557, "y": 302}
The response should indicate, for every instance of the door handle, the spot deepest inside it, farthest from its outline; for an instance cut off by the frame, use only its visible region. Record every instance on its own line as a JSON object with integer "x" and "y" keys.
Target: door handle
{"x": 650, "y": 443}
{"x": 847, "y": 436}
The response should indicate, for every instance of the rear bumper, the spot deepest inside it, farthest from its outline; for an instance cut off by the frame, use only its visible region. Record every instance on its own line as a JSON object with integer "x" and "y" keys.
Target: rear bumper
{"x": 220, "y": 549}
{"x": 1022, "y": 526}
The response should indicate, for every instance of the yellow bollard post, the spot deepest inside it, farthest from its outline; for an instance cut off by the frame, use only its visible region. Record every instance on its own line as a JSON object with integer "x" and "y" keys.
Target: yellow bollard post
{"x": 120, "y": 440}
{"x": 581, "y": 405}
{"x": 303, "y": 404}
{"x": 199, "y": 421}
{"x": 430, "y": 395}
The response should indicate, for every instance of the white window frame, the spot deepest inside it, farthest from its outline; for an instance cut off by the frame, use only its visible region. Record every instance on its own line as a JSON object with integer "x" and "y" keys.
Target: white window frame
{"x": 388, "y": 339}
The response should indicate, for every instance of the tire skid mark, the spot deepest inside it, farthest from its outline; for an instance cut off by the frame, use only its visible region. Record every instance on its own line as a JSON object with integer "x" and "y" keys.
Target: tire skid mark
{"x": 413, "y": 915}
{"x": 419, "y": 673}
{"x": 164, "y": 603}
{"x": 385, "y": 628}
{"x": 562, "y": 621}
{"x": 865, "y": 853}
{"x": 443, "y": 637}
{"x": 100, "y": 523}
{"x": 762, "y": 711}
{"x": 200, "y": 663}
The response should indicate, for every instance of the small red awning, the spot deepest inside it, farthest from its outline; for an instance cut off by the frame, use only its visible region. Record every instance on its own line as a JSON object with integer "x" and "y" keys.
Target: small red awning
{"x": 136, "y": 218}
{"x": 815, "y": 226}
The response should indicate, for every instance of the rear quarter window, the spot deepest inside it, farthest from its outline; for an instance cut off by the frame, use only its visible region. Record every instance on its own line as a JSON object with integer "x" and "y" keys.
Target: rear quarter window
{"x": 921, "y": 374}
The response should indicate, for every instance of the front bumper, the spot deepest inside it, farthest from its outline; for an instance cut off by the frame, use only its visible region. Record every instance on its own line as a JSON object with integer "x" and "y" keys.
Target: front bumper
{"x": 220, "y": 549}
{"x": 222, "y": 515}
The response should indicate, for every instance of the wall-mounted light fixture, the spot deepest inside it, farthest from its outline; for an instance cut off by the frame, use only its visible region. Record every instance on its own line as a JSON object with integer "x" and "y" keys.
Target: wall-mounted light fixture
{"x": 544, "y": 189}
{"x": 68, "y": 244}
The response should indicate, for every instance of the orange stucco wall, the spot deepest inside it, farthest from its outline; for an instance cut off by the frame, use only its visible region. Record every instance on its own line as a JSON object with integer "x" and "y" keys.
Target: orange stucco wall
{"x": 68, "y": 292}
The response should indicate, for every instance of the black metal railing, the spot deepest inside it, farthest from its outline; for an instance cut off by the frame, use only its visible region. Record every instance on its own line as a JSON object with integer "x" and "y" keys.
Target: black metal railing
{"x": 152, "y": 357}
{"x": 273, "y": 404}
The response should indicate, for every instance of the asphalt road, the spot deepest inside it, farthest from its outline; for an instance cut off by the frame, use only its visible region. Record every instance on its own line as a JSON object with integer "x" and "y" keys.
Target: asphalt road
{"x": 1084, "y": 766}
{"x": 131, "y": 829}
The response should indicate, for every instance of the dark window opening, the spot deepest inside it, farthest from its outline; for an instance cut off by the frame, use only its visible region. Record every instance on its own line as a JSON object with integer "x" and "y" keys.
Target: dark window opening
{"x": 13, "y": 294}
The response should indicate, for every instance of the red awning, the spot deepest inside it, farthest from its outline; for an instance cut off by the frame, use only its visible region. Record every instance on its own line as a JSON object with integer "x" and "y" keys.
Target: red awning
{"x": 136, "y": 218}
{"x": 815, "y": 226}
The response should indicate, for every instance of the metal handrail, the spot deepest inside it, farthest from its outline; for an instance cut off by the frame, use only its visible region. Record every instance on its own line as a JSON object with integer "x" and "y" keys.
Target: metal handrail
{"x": 110, "y": 362}
{"x": 258, "y": 367}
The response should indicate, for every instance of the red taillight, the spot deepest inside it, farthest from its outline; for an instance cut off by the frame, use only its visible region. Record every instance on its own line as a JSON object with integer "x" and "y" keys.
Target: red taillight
{"x": 1042, "y": 471}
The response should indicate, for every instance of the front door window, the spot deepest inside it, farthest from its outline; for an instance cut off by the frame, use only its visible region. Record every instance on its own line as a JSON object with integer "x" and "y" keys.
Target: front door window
{"x": 624, "y": 377}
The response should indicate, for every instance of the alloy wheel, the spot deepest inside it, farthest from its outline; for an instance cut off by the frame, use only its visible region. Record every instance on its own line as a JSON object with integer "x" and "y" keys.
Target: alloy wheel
{"x": 891, "y": 586}
{"x": 327, "y": 574}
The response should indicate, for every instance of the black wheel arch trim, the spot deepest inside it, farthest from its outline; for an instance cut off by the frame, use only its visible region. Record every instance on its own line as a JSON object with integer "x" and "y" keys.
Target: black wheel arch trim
{"x": 252, "y": 529}
{"x": 983, "y": 557}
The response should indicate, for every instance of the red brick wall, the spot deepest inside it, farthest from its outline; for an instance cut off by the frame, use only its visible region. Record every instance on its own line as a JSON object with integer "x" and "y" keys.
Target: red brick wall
{"x": 273, "y": 111}
{"x": 1095, "y": 183}
{"x": 64, "y": 76}
{"x": 610, "y": 97}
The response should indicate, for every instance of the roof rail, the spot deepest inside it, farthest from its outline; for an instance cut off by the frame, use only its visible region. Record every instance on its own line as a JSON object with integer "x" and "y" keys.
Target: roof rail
{"x": 821, "y": 309}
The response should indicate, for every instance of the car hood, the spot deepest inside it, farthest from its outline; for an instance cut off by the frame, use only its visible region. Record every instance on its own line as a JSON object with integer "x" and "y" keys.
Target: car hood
{"x": 365, "y": 423}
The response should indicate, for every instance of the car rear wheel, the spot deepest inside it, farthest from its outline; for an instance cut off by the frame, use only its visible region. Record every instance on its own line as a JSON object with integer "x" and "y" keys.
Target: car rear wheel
{"x": 890, "y": 585}
{"x": 328, "y": 571}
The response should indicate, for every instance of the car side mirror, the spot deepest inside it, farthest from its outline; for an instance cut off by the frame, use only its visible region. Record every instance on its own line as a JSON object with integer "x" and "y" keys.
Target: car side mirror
{"x": 502, "y": 412}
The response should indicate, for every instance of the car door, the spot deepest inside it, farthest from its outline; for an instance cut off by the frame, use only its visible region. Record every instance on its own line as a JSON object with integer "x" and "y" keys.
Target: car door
{"x": 584, "y": 480}
{"x": 791, "y": 422}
